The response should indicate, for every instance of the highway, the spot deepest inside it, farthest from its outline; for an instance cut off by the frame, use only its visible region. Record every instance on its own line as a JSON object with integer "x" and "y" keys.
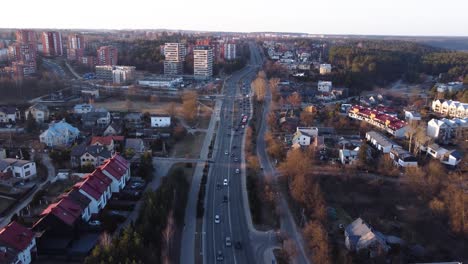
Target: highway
{"x": 228, "y": 201}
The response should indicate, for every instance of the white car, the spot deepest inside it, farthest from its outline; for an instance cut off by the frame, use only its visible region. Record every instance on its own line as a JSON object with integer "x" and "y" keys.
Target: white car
{"x": 217, "y": 220}
{"x": 237, "y": 171}
{"x": 225, "y": 182}
{"x": 226, "y": 152}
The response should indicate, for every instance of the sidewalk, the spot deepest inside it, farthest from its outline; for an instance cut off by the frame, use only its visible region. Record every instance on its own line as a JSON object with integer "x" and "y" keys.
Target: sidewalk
{"x": 187, "y": 251}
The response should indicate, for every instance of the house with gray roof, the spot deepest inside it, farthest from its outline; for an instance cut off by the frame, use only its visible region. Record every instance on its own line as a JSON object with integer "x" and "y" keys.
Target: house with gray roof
{"x": 360, "y": 236}
{"x": 94, "y": 155}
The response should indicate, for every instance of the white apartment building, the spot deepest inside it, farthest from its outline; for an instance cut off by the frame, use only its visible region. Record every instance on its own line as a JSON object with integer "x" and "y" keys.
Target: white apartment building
{"x": 174, "y": 54}
{"x": 445, "y": 129}
{"x": 230, "y": 51}
{"x": 203, "y": 61}
{"x": 115, "y": 74}
{"x": 324, "y": 86}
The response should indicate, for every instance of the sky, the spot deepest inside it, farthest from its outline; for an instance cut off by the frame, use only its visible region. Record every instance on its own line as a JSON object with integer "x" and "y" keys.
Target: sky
{"x": 366, "y": 17}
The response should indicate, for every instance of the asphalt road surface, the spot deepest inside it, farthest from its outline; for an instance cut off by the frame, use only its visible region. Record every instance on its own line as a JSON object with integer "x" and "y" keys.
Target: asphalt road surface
{"x": 225, "y": 197}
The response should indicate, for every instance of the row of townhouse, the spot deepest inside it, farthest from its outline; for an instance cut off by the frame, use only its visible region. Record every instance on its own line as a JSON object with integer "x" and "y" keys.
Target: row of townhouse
{"x": 62, "y": 220}
{"x": 450, "y": 108}
{"x": 400, "y": 156}
{"x": 389, "y": 123}
{"x": 444, "y": 130}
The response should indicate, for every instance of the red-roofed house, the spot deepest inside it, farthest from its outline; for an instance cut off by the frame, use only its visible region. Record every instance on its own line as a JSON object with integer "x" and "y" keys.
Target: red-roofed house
{"x": 96, "y": 187}
{"x": 107, "y": 142}
{"x": 382, "y": 120}
{"x": 18, "y": 240}
{"x": 118, "y": 170}
{"x": 65, "y": 213}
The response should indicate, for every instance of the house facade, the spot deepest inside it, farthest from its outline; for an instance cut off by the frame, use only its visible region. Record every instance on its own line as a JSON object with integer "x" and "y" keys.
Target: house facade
{"x": 39, "y": 112}
{"x": 324, "y": 86}
{"x": 59, "y": 134}
{"x": 304, "y": 136}
{"x": 9, "y": 114}
{"x": 444, "y": 130}
{"x": 18, "y": 241}
{"x": 83, "y": 108}
{"x": 380, "y": 142}
{"x": 160, "y": 121}
{"x": 359, "y": 236}
{"x": 445, "y": 156}
{"x": 23, "y": 169}
{"x": 450, "y": 108}
{"x": 403, "y": 158}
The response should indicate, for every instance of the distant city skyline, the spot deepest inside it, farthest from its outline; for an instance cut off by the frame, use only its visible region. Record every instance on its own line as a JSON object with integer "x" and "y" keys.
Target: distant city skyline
{"x": 360, "y": 17}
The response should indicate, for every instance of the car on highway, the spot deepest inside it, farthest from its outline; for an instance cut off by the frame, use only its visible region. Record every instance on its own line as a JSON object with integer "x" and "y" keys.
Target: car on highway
{"x": 237, "y": 171}
{"x": 219, "y": 256}
{"x": 238, "y": 245}
{"x": 225, "y": 199}
{"x": 236, "y": 159}
{"x": 228, "y": 242}
{"x": 226, "y": 152}
{"x": 225, "y": 182}
{"x": 217, "y": 219}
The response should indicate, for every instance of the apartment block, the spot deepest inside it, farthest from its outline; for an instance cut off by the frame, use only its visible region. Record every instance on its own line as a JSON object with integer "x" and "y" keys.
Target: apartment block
{"x": 52, "y": 43}
{"x": 174, "y": 54}
{"x": 203, "y": 61}
{"x": 107, "y": 55}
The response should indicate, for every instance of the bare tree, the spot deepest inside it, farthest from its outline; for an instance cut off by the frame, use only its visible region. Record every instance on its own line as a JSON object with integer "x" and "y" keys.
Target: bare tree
{"x": 295, "y": 100}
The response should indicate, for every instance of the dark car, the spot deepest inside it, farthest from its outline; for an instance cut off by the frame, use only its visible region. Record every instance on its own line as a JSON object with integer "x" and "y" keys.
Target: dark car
{"x": 225, "y": 199}
{"x": 238, "y": 245}
{"x": 219, "y": 256}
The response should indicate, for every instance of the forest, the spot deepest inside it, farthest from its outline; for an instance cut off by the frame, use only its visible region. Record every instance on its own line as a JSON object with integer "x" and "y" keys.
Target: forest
{"x": 362, "y": 64}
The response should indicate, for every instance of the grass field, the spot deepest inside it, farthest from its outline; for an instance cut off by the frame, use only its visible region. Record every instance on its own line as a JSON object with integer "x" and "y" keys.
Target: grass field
{"x": 189, "y": 147}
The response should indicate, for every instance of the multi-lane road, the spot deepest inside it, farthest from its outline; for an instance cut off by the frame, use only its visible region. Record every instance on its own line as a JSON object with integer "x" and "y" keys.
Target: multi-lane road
{"x": 226, "y": 193}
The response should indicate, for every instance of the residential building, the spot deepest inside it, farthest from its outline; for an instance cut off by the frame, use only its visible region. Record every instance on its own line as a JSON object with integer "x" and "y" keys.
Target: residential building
{"x": 380, "y": 142}
{"x": 412, "y": 116}
{"x": 76, "y": 46}
{"x": 123, "y": 74}
{"x": 113, "y": 129}
{"x": 325, "y": 69}
{"x": 59, "y": 134}
{"x": 84, "y": 155}
{"x": 39, "y": 112}
{"x": 99, "y": 118}
{"x": 25, "y": 36}
{"x": 83, "y": 108}
{"x": 444, "y": 130}
{"x": 23, "y": 169}
{"x": 348, "y": 156}
{"x": 160, "y": 121}
{"x": 174, "y": 57}
{"x": 449, "y": 87}
{"x": 380, "y": 119}
{"x": 304, "y": 136}
{"x": 161, "y": 81}
{"x": 137, "y": 145}
{"x": 360, "y": 236}
{"x": 52, "y": 43}
{"x": 230, "y": 51}
{"x": 402, "y": 157}
{"x": 9, "y": 114}
{"x": 59, "y": 219}
{"x": 447, "y": 157}
{"x": 109, "y": 142}
{"x": 324, "y": 86}
{"x": 118, "y": 170}
{"x": 450, "y": 108}
{"x": 107, "y": 55}
{"x": 203, "y": 61}
{"x": 96, "y": 187}
{"x": 17, "y": 244}
{"x": 115, "y": 74}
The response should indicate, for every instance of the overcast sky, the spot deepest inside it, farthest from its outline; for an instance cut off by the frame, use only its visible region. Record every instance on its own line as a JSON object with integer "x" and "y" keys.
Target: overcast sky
{"x": 380, "y": 17}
